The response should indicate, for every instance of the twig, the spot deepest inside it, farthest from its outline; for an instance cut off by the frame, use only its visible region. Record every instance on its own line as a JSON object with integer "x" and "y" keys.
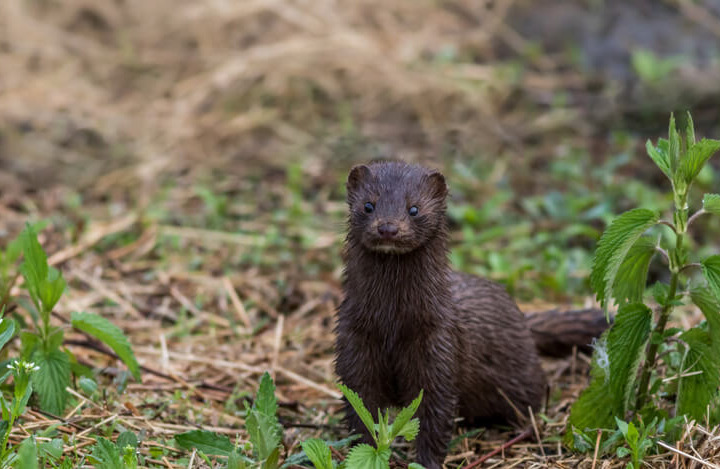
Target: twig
{"x": 682, "y": 453}
{"x": 537, "y": 432}
{"x": 527, "y": 433}
{"x": 237, "y": 304}
{"x": 597, "y": 447}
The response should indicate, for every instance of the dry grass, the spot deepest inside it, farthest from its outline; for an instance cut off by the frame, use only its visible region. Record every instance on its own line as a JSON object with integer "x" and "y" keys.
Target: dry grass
{"x": 112, "y": 100}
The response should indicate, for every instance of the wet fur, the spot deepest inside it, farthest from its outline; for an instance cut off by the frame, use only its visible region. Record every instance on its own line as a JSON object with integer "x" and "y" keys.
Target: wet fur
{"x": 408, "y": 322}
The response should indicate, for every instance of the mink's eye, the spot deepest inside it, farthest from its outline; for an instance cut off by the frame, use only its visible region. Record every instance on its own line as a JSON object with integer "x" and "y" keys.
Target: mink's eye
{"x": 369, "y": 207}
{"x": 413, "y": 211}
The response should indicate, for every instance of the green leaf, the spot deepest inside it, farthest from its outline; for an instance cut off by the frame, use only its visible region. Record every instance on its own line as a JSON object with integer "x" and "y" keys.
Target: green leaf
{"x": 689, "y": 130}
{"x": 711, "y": 271}
{"x": 130, "y": 459}
{"x": 127, "y": 438}
{"x": 613, "y": 371}
{"x": 415, "y": 465}
{"x": 364, "y": 456}
{"x": 266, "y": 402}
{"x": 711, "y": 203}
{"x": 318, "y": 452}
{"x": 629, "y": 285}
{"x": 52, "y": 289}
{"x": 89, "y": 386}
{"x": 7, "y": 330}
{"x": 402, "y": 425}
{"x": 674, "y": 145}
{"x": 235, "y": 461}
{"x": 110, "y": 334}
{"x": 35, "y": 267}
{"x": 52, "y": 449}
{"x": 357, "y": 404}
{"x": 27, "y": 457}
{"x": 208, "y": 442}
{"x": 626, "y": 342}
{"x": 622, "y": 426}
{"x": 696, "y": 392}
{"x": 696, "y": 157}
{"x": 709, "y": 304}
{"x": 107, "y": 455}
{"x": 613, "y": 247}
{"x": 51, "y": 379}
{"x": 272, "y": 460}
{"x": 265, "y": 433}
{"x": 659, "y": 155}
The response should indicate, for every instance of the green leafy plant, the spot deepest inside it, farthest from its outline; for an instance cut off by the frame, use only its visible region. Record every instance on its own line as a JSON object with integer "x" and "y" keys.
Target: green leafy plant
{"x": 637, "y": 442}
{"x": 625, "y": 367}
{"x": 382, "y": 432}
{"x": 119, "y": 455}
{"x": 43, "y": 344}
{"x": 263, "y": 428}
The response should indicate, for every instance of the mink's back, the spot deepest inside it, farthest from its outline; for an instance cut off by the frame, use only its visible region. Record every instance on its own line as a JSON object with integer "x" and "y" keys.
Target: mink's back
{"x": 496, "y": 352}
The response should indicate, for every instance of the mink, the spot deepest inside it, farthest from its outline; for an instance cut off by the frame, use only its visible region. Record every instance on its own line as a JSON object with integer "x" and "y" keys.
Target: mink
{"x": 409, "y": 322}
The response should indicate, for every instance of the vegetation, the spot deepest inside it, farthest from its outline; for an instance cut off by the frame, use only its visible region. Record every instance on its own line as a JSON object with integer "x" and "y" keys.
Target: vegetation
{"x": 678, "y": 369}
{"x": 182, "y": 164}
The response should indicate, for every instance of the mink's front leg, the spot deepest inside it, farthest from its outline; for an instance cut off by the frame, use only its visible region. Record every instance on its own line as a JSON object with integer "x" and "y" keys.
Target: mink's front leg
{"x": 436, "y": 377}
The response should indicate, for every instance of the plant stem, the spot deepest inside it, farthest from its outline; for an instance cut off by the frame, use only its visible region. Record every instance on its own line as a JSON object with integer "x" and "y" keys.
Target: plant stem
{"x": 651, "y": 354}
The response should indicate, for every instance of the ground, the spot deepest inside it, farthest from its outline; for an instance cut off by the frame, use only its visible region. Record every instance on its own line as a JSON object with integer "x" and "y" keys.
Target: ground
{"x": 189, "y": 160}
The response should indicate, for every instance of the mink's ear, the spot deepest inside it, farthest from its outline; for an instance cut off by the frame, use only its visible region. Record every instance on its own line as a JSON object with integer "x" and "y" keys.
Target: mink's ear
{"x": 436, "y": 182}
{"x": 358, "y": 175}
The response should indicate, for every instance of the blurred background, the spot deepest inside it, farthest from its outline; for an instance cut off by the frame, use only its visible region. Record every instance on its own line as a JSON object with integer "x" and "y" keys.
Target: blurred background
{"x": 214, "y": 137}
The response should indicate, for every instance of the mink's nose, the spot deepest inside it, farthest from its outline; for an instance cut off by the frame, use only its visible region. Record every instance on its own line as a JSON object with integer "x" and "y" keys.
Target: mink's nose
{"x": 387, "y": 230}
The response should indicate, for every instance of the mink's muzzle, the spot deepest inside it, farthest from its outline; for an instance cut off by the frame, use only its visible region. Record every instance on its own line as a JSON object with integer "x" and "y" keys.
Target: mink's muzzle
{"x": 387, "y": 230}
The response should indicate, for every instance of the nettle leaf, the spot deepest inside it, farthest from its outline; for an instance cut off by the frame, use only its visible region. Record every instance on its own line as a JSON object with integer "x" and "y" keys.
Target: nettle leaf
{"x": 360, "y": 408}
{"x": 613, "y": 372}
{"x": 674, "y": 145}
{"x": 711, "y": 203}
{"x": 626, "y": 342}
{"x": 696, "y": 157}
{"x": 208, "y": 442}
{"x": 697, "y": 391}
{"x": 52, "y": 289}
{"x": 265, "y": 434}
{"x": 236, "y": 461}
{"x": 7, "y": 331}
{"x": 51, "y": 379}
{"x": 659, "y": 155}
{"x": 689, "y": 130}
{"x": 613, "y": 247}
{"x": 107, "y": 455}
{"x": 318, "y": 452}
{"x": 27, "y": 455}
{"x": 629, "y": 285}
{"x": 711, "y": 271}
{"x": 110, "y": 334}
{"x": 34, "y": 268}
{"x": 709, "y": 304}
{"x": 595, "y": 406}
{"x": 265, "y": 401}
{"x": 273, "y": 460}
{"x": 364, "y": 456}
{"x": 404, "y": 425}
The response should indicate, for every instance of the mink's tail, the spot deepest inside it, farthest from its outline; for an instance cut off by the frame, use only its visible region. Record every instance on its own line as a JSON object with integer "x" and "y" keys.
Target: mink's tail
{"x": 556, "y": 332}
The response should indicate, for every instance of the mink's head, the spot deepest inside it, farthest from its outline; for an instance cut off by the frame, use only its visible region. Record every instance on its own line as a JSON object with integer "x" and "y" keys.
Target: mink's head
{"x": 395, "y": 207}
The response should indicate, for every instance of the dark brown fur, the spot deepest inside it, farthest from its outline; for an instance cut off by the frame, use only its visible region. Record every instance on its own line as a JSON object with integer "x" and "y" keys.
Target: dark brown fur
{"x": 408, "y": 322}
